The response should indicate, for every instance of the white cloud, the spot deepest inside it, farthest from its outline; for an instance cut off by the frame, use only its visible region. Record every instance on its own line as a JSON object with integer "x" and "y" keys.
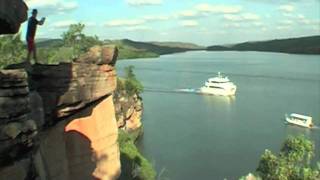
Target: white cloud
{"x": 63, "y": 24}
{"x": 286, "y": 22}
{"x": 138, "y": 28}
{"x": 156, "y": 18}
{"x": 189, "y": 23}
{"x": 287, "y": 8}
{"x": 125, "y": 22}
{"x": 283, "y": 27}
{"x": 143, "y": 2}
{"x": 300, "y": 16}
{"x": 90, "y": 24}
{"x": 226, "y": 9}
{"x": 250, "y": 16}
{"x": 232, "y": 25}
{"x": 53, "y": 6}
{"x": 258, "y": 24}
{"x": 188, "y": 14}
{"x": 231, "y": 17}
{"x": 164, "y": 33}
{"x": 242, "y": 17}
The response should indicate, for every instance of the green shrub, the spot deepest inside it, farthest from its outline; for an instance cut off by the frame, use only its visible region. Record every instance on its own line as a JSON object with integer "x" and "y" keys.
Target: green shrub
{"x": 134, "y": 165}
{"x": 12, "y": 50}
{"x": 132, "y": 84}
{"x": 78, "y": 41}
{"x": 293, "y": 161}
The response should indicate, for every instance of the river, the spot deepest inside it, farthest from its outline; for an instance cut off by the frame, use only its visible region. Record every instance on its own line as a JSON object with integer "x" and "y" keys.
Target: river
{"x": 189, "y": 136}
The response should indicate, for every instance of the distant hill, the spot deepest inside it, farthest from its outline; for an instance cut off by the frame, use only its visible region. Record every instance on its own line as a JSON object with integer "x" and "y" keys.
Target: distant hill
{"x": 179, "y": 45}
{"x": 49, "y": 43}
{"x": 301, "y": 45}
{"x": 129, "y": 49}
{"x": 160, "y": 47}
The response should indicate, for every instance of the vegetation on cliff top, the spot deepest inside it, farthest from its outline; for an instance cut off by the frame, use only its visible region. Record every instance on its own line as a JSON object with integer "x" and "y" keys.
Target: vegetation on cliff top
{"x": 302, "y": 45}
{"x": 12, "y": 50}
{"x": 74, "y": 42}
{"x": 293, "y": 162}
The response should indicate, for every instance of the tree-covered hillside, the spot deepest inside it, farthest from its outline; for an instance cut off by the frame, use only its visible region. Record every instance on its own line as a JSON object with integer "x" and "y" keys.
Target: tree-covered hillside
{"x": 302, "y": 45}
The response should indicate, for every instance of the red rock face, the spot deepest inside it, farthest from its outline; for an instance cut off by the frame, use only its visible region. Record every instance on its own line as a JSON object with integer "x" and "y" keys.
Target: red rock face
{"x": 93, "y": 136}
{"x": 83, "y": 146}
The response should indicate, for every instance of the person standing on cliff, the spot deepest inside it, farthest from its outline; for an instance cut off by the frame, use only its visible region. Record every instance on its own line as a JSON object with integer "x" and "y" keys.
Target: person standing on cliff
{"x": 31, "y": 33}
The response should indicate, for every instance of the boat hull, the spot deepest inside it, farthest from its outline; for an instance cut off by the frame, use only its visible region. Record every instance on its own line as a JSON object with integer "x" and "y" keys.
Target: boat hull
{"x": 218, "y": 92}
{"x": 290, "y": 121}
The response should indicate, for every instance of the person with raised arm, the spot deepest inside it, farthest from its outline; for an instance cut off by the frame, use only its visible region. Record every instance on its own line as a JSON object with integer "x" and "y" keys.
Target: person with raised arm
{"x": 31, "y": 33}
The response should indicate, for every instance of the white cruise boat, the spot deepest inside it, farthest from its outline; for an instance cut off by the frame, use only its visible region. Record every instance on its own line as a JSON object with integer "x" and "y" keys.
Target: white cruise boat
{"x": 219, "y": 85}
{"x": 300, "y": 120}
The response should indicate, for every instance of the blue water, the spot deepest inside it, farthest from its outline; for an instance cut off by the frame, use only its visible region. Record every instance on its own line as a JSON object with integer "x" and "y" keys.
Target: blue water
{"x": 190, "y": 136}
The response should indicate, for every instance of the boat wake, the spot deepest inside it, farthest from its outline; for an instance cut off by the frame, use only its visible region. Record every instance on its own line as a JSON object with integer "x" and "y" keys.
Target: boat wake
{"x": 188, "y": 90}
{"x": 185, "y": 90}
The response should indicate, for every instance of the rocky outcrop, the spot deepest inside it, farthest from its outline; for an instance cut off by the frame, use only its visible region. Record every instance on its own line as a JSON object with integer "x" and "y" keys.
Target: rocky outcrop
{"x": 72, "y": 106}
{"x": 100, "y": 55}
{"x": 12, "y": 14}
{"x": 66, "y": 88}
{"x": 17, "y": 130}
{"x": 128, "y": 110}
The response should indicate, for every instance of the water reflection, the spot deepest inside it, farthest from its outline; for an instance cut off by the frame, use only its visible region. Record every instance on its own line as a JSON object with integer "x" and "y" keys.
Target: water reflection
{"x": 222, "y": 103}
{"x": 219, "y": 100}
{"x": 296, "y": 130}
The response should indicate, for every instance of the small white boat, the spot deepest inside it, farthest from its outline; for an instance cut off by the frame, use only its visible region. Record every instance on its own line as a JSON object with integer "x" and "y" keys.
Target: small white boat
{"x": 300, "y": 120}
{"x": 219, "y": 85}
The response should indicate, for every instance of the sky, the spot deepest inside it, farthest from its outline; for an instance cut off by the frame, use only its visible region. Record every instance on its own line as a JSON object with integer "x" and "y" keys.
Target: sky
{"x": 204, "y": 22}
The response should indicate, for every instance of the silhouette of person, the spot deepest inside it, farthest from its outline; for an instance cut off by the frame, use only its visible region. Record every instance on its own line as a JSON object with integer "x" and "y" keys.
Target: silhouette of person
{"x": 31, "y": 33}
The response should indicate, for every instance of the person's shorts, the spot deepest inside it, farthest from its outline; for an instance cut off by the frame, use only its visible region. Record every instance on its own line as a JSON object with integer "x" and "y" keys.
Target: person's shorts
{"x": 30, "y": 43}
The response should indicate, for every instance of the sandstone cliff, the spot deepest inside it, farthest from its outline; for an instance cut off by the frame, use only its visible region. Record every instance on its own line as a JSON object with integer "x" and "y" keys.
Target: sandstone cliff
{"x": 128, "y": 110}
{"x": 58, "y": 121}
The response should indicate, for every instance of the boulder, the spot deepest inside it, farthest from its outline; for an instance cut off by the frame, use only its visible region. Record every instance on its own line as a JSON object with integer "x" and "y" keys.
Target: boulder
{"x": 100, "y": 55}
{"x": 14, "y": 96}
{"x": 17, "y": 171}
{"x": 12, "y": 14}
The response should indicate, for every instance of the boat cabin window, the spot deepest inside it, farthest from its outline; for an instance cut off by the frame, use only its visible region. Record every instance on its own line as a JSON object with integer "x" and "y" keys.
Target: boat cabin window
{"x": 216, "y": 87}
{"x": 219, "y": 82}
{"x": 300, "y": 119}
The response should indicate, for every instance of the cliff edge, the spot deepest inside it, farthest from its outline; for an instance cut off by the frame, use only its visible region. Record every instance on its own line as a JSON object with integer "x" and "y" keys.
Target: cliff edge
{"x": 58, "y": 121}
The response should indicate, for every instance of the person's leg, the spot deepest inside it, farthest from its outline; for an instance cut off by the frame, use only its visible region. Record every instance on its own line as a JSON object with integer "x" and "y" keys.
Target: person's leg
{"x": 35, "y": 54}
{"x": 28, "y": 56}
{"x": 29, "y": 50}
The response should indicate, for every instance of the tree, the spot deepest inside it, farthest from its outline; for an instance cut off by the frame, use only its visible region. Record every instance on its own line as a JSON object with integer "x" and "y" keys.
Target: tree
{"x": 293, "y": 162}
{"x": 76, "y": 39}
{"x": 73, "y": 37}
{"x": 11, "y": 50}
{"x": 132, "y": 85}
